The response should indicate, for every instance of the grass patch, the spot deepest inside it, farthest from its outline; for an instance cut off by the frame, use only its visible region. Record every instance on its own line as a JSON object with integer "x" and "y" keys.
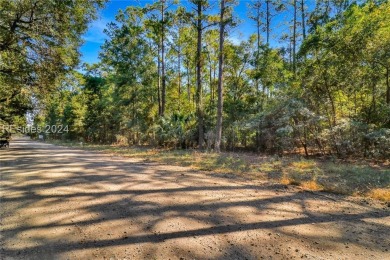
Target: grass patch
{"x": 342, "y": 178}
{"x": 380, "y": 193}
{"x": 358, "y": 179}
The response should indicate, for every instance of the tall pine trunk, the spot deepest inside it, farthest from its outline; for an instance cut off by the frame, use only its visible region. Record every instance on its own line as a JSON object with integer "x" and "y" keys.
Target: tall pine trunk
{"x": 199, "y": 101}
{"x": 388, "y": 86}
{"x": 218, "y": 134}
{"x": 188, "y": 80}
{"x": 294, "y": 39}
{"x": 268, "y": 20}
{"x": 303, "y": 19}
{"x": 163, "y": 78}
{"x": 159, "y": 78}
{"x": 179, "y": 71}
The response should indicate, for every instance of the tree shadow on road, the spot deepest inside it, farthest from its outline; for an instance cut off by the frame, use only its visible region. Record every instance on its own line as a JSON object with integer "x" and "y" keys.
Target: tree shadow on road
{"x": 65, "y": 202}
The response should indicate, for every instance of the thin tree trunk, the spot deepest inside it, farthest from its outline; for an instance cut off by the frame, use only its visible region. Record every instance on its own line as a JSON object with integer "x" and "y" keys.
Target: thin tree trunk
{"x": 179, "y": 71}
{"x": 303, "y": 19}
{"x": 257, "y": 82}
{"x": 214, "y": 77}
{"x": 188, "y": 81}
{"x": 290, "y": 53}
{"x": 163, "y": 88}
{"x": 218, "y": 135}
{"x": 388, "y": 86}
{"x": 199, "y": 94}
{"x": 294, "y": 36}
{"x": 373, "y": 104}
{"x": 211, "y": 82}
{"x": 159, "y": 79}
{"x": 258, "y": 25}
{"x": 268, "y": 20}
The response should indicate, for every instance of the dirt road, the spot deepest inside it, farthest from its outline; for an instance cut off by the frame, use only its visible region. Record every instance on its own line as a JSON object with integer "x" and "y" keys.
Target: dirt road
{"x": 61, "y": 203}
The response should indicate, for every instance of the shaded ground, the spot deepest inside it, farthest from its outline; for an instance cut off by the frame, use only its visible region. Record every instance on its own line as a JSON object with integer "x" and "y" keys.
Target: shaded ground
{"x": 61, "y": 203}
{"x": 359, "y": 177}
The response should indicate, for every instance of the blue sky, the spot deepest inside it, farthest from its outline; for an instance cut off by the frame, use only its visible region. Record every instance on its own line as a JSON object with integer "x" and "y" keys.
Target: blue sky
{"x": 95, "y": 37}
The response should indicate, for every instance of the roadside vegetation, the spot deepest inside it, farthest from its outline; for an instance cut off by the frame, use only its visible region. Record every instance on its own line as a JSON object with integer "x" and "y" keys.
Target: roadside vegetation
{"x": 358, "y": 178}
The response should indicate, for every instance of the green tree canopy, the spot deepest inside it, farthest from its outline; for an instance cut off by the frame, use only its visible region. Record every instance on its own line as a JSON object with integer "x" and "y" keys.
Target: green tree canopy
{"x": 39, "y": 40}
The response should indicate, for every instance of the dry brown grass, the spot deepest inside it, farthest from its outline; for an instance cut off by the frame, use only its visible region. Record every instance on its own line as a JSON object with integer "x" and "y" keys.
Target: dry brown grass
{"x": 380, "y": 194}
{"x": 357, "y": 178}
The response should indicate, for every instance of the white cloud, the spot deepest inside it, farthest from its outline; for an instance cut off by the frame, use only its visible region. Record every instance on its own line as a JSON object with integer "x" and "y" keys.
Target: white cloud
{"x": 95, "y": 32}
{"x": 235, "y": 39}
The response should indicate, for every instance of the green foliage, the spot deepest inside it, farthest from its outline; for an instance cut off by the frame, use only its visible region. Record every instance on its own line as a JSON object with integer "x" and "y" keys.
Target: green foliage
{"x": 334, "y": 100}
{"x": 39, "y": 42}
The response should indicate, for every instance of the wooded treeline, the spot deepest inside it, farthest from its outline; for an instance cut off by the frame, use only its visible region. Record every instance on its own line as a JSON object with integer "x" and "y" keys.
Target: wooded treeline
{"x": 171, "y": 75}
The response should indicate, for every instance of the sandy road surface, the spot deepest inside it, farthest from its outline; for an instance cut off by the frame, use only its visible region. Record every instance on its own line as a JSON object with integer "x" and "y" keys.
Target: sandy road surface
{"x": 61, "y": 203}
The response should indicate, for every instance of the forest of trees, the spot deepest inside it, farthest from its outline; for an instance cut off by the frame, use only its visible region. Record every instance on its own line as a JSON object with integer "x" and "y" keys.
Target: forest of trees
{"x": 170, "y": 75}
